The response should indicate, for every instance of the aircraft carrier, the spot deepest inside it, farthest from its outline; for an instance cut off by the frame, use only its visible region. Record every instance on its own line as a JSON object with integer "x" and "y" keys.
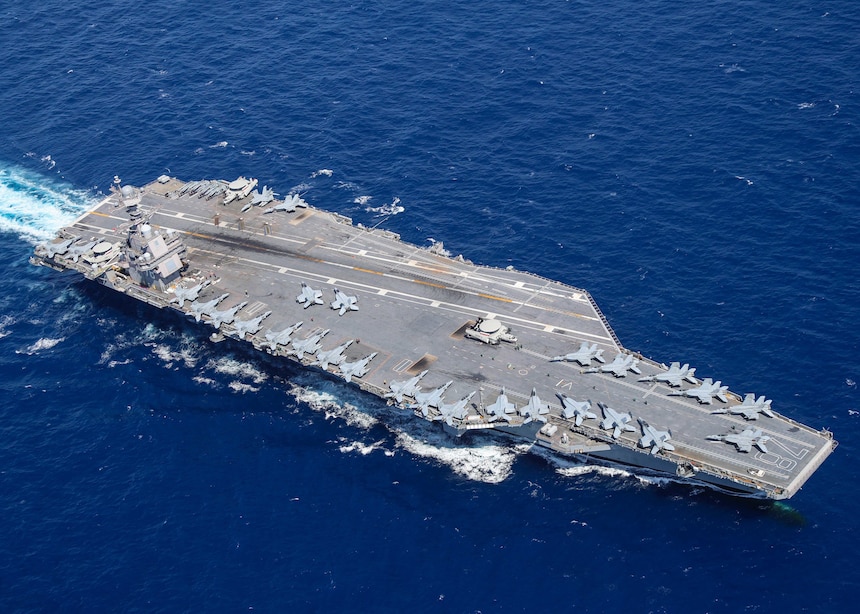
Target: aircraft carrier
{"x": 472, "y": 347}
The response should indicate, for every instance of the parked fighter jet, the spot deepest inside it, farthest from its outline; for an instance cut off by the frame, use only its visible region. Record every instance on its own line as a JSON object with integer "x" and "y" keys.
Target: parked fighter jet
{"x": 706, "y": 392}
{"x": 750, "y": 408}
{"x": 674, "y": 376}
{"x": 406, "y": 388}
{"x": 289, "y": 205}
{"x": 198, "y": 309}
{"x": 343, "y": 302}
{"x": 449, "y": 411}
{"x": 584, "y": 355}
{"x": 264, "y": 197}
{"x": 535, "y": 409}
{"x": 356, "y": 368}
{"x": 578, "y": 410}
{"x": 52, "y": 249}
{"x": 433, "y": 398}
{"x": 224, "y": 316}
{"x": 501, "y": 408}
{"x": 616, "y": 421}
{"x": 333, "y": 356}
{"x": 182, "y": 294}
{"x": 282, "y": 337}
{"x": 618, "y": 367}
{"x": 744, "y": 441}
{"x": 309, "y": 345}
{"x": 309, "y": 296}
{"x": 251, "y": 326}
{"x": 655, "y": 439}
{"x": 79, "y": 249}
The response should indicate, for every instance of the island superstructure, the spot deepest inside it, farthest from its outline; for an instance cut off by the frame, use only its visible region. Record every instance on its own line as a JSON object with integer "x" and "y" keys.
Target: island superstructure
{"x": 473, "y": 347}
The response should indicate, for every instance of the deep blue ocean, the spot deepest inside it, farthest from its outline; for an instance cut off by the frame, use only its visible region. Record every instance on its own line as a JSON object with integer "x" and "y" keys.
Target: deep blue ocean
{"x": 696, "y": 166}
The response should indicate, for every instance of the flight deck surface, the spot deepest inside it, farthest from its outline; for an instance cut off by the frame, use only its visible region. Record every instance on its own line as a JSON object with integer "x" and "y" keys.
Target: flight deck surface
{"x": 415, "y": 308}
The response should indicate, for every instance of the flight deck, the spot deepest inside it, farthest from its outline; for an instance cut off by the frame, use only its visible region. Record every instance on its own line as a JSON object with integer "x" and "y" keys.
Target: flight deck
{"x": 472, "y": 347}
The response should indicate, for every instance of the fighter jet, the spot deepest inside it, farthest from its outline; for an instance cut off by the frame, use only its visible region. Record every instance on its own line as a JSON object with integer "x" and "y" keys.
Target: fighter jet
{"x": 535, "y": 409}
{"x": 217, "y": 188}
{"x": 433, "y": 398}
{"x": 343, "y": 302}
{"x": 744, "y": 441}
{"x": 282, "y": 337}
{"x": 264, "y": 197}
{"x": 251, "y": 326}
{"x": 309, "y": 345}
{"x": 406, "y": 388}
{"x": 750, "y": 408}
{"x": 333, "y": 356}
{"x": 182, "y": 294}
{"x": 189, "y": 187}
{"x": 500, "y": 409}
{"x": 674, "y": 376}
{"x": 224, "y": 316}
{"x": 655, "y": 439}
{"x": 79, "y": 249}
{"x": 706, "y": 392}
{"x": 616, "y": 421}
{"x": 356, "y": 368}
{"x": 449, "y": 411}
{"x": 52, "y": 249}
{"x": 577, "y": 410}
{"x": 584, "y": 355}
{"x": 198, "y": 309}
{"x": 618, "y": 367}
{"x": 289, "y": 205}
{"x": 309, "y": 296}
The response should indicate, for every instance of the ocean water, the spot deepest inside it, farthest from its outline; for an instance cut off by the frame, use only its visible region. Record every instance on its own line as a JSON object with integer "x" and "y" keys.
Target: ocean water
{"x": 696, "y": 166}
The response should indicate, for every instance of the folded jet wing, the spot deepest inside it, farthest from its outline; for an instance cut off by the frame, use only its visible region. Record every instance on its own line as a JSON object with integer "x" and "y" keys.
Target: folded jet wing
{"x": 263, "y": 198}
{"x": 250, "y": 327}
{"x": 616, "y": 421}
{"x": 309, "y": 296}
{"x": 584, "y": 355}
{"x": 198, "y": 309}
{"x": 674, "y": 376}
{"x": 618, "y": 367}
{"x": 182, "y": 294}
{"x": 224, "y": 316}
{"x": 706, "y": 392}
{"x": 356, "y": 368}
{"x": 501, "y": 408}
{"x": 52, "y": 249}
{"x": 282, "y": 337}
{"x": 405, "y": 388}
{"x": 451, "y": 411}
{"x": 655, "y": 439}
{"x": 289, "y": 205}
{"x": 535, "y": 409}
{"x": 309, "y": 345}
{"x": 744, "y": 441}
{"x": 333, "y": 356}
{"x": 343, "y": 302}
{"x": 432, "y": 398}
{"x": 575, "y": 410}
{"x": 79, "y": 249}
{"x": 750, "y": 408}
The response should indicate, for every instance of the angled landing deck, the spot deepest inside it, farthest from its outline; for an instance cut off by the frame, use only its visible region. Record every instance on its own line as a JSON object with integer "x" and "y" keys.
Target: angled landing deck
{"x": 473, "y": 347}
